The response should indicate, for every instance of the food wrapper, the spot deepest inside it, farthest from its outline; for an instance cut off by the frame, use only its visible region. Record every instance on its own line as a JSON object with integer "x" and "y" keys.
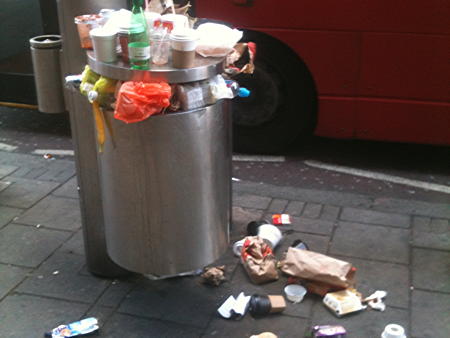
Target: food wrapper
{"x": 316, "y": 267}
{"x": 214, "y": 275}
{"x": 258, "y": 260}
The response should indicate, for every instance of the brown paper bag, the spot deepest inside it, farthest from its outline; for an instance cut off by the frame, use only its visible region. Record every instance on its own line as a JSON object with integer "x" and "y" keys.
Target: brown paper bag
{"x": 258, "y": 260}
{"x": 317, "y": 267}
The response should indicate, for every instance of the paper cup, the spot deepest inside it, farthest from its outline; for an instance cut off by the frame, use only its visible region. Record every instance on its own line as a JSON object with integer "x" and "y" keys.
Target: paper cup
{"x": 177, "y": 21}
{"x": 183, "y": 43}
{"x": 295, "y": 292}
{"x": 104, "y": 42}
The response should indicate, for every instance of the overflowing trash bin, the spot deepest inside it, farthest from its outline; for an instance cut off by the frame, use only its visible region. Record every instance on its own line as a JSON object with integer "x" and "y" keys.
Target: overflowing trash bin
{"x": 163, "y": 138}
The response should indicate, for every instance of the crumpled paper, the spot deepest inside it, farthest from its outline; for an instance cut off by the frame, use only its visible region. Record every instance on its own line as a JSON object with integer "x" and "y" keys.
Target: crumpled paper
{"x": 214, "y": 275}
{"x": 258, "y": 260}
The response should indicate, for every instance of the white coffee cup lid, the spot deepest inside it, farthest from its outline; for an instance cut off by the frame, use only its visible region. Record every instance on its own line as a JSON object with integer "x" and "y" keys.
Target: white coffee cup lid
{"x": 102, "y": 33}
{"x": 183, "y": 35}
{"x": 295, "y": 292}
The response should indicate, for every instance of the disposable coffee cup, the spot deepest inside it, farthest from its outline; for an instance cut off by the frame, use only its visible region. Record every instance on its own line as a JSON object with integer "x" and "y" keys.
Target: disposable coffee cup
{"x": 104, "y": 42}
{"x": 393, "y": 331}
{"x": 183, "y": 43}
{"x": 270, "y": 233}
{"x": 176, "y": 21}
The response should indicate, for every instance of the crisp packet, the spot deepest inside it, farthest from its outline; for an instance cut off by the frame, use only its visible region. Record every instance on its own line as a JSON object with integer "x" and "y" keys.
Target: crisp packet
{"x": 279, "y": 219}
{"x": 82, "y": 327}
{"x": 330, "y": 331}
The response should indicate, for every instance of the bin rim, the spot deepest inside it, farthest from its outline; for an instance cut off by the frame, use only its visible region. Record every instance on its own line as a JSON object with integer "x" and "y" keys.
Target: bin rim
{"x": 46, "y": 41}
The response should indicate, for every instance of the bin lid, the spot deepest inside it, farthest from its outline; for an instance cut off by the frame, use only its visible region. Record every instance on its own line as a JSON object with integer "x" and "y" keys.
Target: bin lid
{"x": 46, "y": 41}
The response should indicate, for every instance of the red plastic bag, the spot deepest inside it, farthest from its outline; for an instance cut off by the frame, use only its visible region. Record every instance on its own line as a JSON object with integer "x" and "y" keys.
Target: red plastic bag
{"x": 137, "y": 101}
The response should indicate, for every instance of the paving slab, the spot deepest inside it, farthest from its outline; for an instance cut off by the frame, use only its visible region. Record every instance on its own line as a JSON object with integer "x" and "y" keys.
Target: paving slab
{"x": 181, "y": 300}
{"x": 23, "y": 193}
{"x": 431, "y": 270}
{"x": 5, "y": 170}
{"x": 251, "y": 201}
{"x": 330, "y": 213}
{"x": 68, "y": 189}
{"x": 28, "y": 246}
{"x": 58, "y": 277}
{"x": 277, "y": 206}
{"x": 31, "y": 316}
{"x": 295, "y": 208}
{"x": 315, "y": 226}
{"x": 284, "y": 326}
{"x": 413, "y": 207}
{"x": 431, "y": 233}
{"x": 366, "y": 323}
{"x": 371, "y": 241}
{"x": 372, "y": 276}
{"x": 116, "y": 292}
{"x": 312, "y": 210}
{"x": 7, "y": 214}
{"x": 10, "y": 277}
{"x": 121, "y": 325}
{"x": 75, "y": 245}
{"x": 375, "y": 217}
{"x": 430, "y": 315}
{"x": 54, "y": 212}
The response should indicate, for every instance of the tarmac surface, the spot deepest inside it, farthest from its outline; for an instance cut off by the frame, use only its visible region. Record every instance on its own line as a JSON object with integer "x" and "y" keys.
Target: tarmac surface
{"x": 400, "y": 245}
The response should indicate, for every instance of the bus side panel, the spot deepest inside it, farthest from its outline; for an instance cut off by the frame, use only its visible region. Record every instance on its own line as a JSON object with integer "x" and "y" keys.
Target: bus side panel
{"x": 413, "y": 16}
{"x": 407, "y": 66}
{"x": 337, "y": 117}
{"x": 331, "y": 57}
{"x": 403, "y": 121}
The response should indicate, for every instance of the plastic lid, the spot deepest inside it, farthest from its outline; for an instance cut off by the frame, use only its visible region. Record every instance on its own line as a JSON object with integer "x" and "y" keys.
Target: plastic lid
{"x": 183, "y": 35}
{"x": 46, "y": 41}
{"x": 102, "y": 33}
{"x": 295, "y": 292}
{"x": 87, "y": 18}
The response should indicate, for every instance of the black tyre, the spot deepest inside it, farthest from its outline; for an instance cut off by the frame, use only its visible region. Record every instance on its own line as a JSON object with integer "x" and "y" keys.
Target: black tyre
{"x": 283, "y": 101}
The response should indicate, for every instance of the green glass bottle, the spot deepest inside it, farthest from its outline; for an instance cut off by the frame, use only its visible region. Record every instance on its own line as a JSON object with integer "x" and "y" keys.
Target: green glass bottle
{"x": 138, "y": 40}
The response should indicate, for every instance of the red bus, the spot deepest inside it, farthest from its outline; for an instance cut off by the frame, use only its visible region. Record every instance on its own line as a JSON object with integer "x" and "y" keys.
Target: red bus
{"x": 363, "y": 69}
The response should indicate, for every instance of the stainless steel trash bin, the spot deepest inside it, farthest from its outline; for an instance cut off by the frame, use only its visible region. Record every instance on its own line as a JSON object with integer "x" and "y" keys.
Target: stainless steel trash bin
{"x": 166, "y": 181}
{"x": 45, "y": 50}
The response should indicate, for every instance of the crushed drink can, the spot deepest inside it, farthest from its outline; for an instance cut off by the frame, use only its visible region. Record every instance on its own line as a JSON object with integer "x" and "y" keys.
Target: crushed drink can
{"x": 330, "y": 331}
{"x": 79, "y": 328}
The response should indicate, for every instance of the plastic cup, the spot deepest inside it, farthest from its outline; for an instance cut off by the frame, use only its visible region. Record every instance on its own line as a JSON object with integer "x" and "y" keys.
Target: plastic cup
{"x": 104, "y": 42}
{"x": 295, "y": 292}
{"x": 159, "y": 49}
{"x": 85, "y": 23}
{"x": 183, "y": 43}
{"x": 393, "y": 331}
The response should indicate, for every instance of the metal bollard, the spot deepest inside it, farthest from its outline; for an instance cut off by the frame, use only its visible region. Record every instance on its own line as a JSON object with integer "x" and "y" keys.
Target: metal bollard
{"x": 45, "y": 50}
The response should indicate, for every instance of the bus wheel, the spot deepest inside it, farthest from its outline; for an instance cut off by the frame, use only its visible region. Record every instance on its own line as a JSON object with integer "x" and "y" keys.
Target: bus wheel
{"x": 282, "y": 103}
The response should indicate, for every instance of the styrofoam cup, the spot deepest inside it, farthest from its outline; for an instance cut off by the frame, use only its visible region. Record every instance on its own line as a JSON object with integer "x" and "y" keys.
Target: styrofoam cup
{"x": 295, "y": 292}
{"x": 393, "y": 331}
{"x": 104, "y": 42}
{"x": 270, "y": 233}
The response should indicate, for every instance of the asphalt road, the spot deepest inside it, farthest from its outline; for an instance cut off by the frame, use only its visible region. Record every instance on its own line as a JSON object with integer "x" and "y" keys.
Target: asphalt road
{"x": 25, "y": 131}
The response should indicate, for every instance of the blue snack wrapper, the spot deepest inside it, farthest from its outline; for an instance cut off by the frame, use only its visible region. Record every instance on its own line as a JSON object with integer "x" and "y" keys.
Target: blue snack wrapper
{"x": 79, "y": 328}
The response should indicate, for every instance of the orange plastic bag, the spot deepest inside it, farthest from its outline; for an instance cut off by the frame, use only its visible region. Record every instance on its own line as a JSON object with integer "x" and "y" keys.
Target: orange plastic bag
{"x": 137, "y": 101}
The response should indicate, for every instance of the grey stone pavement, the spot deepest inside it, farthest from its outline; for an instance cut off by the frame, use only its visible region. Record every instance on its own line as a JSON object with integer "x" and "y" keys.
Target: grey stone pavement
{"x": 401, "y": 246}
